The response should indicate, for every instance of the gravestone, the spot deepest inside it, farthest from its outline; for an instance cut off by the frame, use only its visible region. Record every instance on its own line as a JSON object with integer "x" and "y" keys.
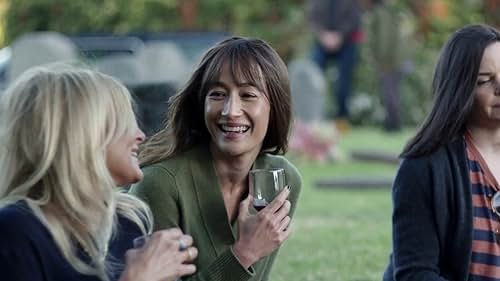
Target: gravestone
{"x": 308, "y": 87}
{"x": 38, "y": 48}
{"x": 124, "y": 67}
{"x": 358, "y": 182}
{"x": 164, "y": 62}
{"x": 152, "y": 101}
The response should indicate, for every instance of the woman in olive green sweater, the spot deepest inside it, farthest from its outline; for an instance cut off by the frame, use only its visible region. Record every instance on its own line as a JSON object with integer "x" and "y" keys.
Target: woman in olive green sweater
{"x": 233, "y": 115}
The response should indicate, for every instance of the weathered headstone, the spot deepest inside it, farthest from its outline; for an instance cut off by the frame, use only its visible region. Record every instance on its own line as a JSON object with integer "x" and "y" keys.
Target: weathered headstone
{"x": 358, "y": 182}
{"x": 164, "y": 62}
{"x": 308, "y": 88}
{"x": 38, "y": 48}
{"x": 125, "y": 68}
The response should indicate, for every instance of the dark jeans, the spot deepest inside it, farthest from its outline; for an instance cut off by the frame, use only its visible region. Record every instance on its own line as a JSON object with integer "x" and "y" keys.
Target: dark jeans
{"x": 345, "y": 58}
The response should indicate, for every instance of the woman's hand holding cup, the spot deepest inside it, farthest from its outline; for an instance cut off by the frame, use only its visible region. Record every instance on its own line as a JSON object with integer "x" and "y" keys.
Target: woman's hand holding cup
{"x": 165, "y": 255}
{"x": 262, "y": 233}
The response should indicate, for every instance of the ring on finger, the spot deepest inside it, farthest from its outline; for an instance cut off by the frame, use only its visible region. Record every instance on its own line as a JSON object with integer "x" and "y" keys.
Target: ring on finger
{"x": 182, "y": 245}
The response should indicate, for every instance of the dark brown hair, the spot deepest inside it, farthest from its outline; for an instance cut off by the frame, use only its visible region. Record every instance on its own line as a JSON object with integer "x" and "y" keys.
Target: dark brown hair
{"x": 250, "y": 60}
{"x": 453, "y": 87}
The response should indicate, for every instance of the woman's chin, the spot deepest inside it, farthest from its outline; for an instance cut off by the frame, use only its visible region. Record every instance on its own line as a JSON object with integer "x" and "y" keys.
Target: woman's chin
{"x": 124, "y": 181}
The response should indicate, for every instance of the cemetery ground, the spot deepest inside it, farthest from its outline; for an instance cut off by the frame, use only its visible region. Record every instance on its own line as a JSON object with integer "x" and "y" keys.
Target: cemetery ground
{"x": 342, "y": 234}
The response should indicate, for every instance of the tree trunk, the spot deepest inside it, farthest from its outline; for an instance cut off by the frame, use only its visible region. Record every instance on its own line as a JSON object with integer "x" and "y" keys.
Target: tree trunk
{"x": 189, "y": 13}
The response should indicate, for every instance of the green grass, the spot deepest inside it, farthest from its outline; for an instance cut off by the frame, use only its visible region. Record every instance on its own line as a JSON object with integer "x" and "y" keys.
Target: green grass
{"x": 342, "y": 234}
{"x": 374, "y": 138}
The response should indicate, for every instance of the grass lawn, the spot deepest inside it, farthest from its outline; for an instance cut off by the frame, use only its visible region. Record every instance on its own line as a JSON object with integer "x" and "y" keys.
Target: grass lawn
{"x": 342, "y": 234}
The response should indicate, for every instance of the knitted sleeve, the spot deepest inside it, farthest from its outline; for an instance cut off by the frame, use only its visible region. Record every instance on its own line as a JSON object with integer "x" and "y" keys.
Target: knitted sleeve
{"x": 159, "y": 190}
{"x": 416, "y": 245}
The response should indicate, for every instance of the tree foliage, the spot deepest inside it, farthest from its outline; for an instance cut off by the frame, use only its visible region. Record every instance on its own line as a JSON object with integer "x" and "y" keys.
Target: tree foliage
{"x": 280, "y": 22}
{"x": 432, "y": 22}
{"x": 69, "y": 16}
{"x": 276, "y": 21}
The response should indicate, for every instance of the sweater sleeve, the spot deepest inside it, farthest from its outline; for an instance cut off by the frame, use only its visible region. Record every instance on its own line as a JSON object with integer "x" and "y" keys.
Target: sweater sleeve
{"x": 159, "y": 190}
{"x": 122, "y": 241}
{"x": 225, "y": 267}
{"x": 416, "y": 245}
{"x": 295, "y": 183}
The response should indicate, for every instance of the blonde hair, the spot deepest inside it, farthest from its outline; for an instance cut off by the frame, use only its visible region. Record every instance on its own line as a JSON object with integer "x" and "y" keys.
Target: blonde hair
{"x": 55, "y": 126}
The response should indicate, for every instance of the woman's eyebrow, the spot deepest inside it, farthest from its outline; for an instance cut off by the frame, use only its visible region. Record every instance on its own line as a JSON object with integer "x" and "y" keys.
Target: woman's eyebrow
{"x": 247, "y": 84}
{"x": 223, "y": 85}
{"x": 485, "y": 73}
{"x": 217, "y": 84}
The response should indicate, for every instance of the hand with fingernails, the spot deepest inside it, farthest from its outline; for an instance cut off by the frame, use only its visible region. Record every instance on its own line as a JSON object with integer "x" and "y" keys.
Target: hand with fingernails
{"x": 262, "y": 233}
{"x": 165, "y": 256}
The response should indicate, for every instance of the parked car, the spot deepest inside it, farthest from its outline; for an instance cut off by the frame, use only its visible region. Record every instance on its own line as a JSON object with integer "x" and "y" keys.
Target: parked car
{"x": 94, "y": 46}
{"x": 5, "y": 55}
{"x": 116, "y": 53}
{"x": 193, "y": 44}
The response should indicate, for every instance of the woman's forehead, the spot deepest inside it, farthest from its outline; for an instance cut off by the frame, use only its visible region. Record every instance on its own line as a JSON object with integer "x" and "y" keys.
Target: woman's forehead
{"x": 241, "y": 72}
{"x": 490, "y": 62}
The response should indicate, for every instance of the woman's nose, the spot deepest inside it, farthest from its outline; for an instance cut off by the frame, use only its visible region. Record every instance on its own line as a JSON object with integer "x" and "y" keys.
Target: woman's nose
{"x": 497, "y": 85}
{"x": 232, "y": 106}
{"x": 140, "y": 136}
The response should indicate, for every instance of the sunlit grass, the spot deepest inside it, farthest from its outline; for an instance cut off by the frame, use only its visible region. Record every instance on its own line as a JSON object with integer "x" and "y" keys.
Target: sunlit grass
{"x": 342, "y": 234}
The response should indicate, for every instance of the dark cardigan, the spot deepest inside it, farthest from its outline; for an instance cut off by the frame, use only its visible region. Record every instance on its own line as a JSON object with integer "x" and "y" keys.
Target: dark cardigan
{"x": 29, "y": 253}
{"x": 432, "y": 217}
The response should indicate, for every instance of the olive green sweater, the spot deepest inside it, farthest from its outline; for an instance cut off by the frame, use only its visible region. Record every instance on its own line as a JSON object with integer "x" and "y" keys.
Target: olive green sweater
{"x": 183, "y": 191}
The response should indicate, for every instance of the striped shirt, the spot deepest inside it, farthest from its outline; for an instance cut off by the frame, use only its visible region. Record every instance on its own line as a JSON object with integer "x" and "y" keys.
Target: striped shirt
{"x": 485, "y": 260}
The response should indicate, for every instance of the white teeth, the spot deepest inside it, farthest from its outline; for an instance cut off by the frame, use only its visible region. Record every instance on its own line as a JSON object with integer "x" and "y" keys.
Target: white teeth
{"x": 234, "y": 129}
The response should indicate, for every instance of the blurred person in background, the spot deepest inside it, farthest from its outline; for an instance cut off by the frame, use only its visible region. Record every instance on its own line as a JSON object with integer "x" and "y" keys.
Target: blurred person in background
{"x": 390, "y": 50}
{"x": 233, "y": 115}
{"x": 446, "y": 196}
{"x": 68, "y": 138}
{"x": 336, "y": 25}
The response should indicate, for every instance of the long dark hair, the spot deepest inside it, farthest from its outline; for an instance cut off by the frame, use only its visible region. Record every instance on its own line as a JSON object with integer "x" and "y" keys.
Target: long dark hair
{"x": 250, "y": 60}
{"x": 455, "y": 78}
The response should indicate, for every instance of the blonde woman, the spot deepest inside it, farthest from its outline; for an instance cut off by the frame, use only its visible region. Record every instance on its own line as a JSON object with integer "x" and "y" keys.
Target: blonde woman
{"x": 68, "y": 138}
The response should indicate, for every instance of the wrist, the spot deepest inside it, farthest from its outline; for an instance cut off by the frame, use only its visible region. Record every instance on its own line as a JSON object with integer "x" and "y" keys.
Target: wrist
{"x": 123, "y": 277}
{"x": 243, "y": 255}
{"x": 127, "y": 275}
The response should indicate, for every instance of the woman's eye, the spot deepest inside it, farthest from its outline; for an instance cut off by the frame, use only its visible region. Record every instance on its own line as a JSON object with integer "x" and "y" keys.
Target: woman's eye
{"x": 482, "y": 82}
{"x": 248, "y": 95}
{"x": 216, "y": 94}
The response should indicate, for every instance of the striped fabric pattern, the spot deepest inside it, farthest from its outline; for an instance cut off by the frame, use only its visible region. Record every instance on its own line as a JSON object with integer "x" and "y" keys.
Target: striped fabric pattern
{"x": 485, "y": 261}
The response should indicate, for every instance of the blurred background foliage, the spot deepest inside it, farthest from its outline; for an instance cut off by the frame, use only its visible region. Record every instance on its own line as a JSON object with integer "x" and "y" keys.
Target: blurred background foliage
{"x": 272, "y": 20}
{"x": 423, "y": 25}
{"x": 354, "y": 225}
